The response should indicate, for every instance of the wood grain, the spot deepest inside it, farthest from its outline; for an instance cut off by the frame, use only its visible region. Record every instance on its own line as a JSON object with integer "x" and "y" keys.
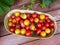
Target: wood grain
{"x": 52, "y": 41}
{"x": 54, "y": 10}
{"x": 14, "y": 39}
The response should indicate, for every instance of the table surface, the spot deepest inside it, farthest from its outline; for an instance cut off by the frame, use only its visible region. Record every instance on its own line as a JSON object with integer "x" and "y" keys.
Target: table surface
{"x": 7, "y": 38}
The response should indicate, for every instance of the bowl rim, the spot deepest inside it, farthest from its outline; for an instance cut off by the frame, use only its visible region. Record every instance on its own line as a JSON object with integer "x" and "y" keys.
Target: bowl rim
{"x": 30, "y": 11}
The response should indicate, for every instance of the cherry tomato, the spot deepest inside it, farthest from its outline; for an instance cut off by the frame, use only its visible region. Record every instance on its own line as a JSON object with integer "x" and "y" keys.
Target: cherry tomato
{"x": 27, "y": 27}
{"x": 18, "y": 18}
{"x": 46, "y": 17}
{"x": 40, "y": 21}
{"x": 47, "y": 24}
{"x": 39, "y": 25}
{"x": 22, "y": 24}
{"x": 52, "y": 24}
{"x": 31, "y": 19}
{"x": 13, "y": 16}
{"x": 43, "y": 24}
{"x": 26, "y": 22}
{"x": 14, "y": 21}
{"x": 34, "y": 15}
{"x": 10, "y": 23}
{"x": 10, "y": 19}
{"x": 23, "y": 31}
{"x": 43, "y": 33}
{"x": 17, "y": 13}
{"x": 23, "y": 16}
{"x": 36, "y": 20}
{"x": 52, "y": 28}
{"x": 48, "y": 20}
{"x": 17, "y": 31}
{"x": 28, "y": 15}
{"x": 47, "y": 30}
{"x": 32, "y": 27}
{"x": 18, "y": 26}
{"x": 43, "y": 27}
{"x": 12, "y": 29}
{"x": 38, "y": 31}
{"x": 13, "y": 24}
{"x": 35, "y": 29}
{"x": 28, "y": 33}
{"x": 42, "y": 16}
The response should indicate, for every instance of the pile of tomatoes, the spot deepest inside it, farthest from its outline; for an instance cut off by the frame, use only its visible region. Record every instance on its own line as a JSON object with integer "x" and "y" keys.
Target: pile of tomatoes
{"x": 27, "y": 23}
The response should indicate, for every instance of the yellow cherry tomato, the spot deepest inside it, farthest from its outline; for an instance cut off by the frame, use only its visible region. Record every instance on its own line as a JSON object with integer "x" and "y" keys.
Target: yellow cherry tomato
{"x": 43, "y": 33}
{"x": 47, "y": 30}
{"x": 26, "y": 22}
{"x": 23, "y": 31}
{"x": 17, "y": 31}
{"x": 23, "y": 16}
{"x": 10, "y": 19}
{"x": 36, "y": 20}
{"x": 14, "y": 21}
{"x": 32, "y": 27}
{"x": 17, "y": 13}
{"x": 42, "y": 16}
{"x": 10, "y": 23}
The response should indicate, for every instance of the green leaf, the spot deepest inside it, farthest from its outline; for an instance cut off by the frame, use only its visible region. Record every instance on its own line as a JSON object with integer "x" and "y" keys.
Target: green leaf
{"x": 32, "y": 1}
{"x": 1, "y": 12}
{"x": 22, "y": 6}
{"x": 43, "y": 4}
{"x": 30, "y": 6}
{"x": 4, "y": 7}
{"x": 48, "y": 2}
{"x": 53, "y": 1}
{"x": 8, "y": 2}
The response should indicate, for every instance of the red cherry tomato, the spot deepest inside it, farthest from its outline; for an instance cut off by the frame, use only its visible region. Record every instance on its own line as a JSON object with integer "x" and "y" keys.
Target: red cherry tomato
{"x": 38, "y": 31}
{"x": 13, "y": 16}
{"x": 13, "y": 24}
{"x": 18, "y": 18}
{"x": 12, "y": 29}
{"x": 18, "y": 26}
{"x": 48, "y": 20}
{"x": 43, "y": 27}
{"x": 27, "y": 27}
{"x": 46, "y": 17}
{"x": 28, "y": 15}
{"x": 40, "y": 21}
{"x": 10, "y": 20}
{"x": 51, "y": 24}
{"x": 47, "y": 24}
{"x": 28, "y": 33}
{"x": 34, "y": 15}
{"x": 22, "y": 23}
{"x": 31, "y": 19}
{"x": 35, "y": 29}
{"x": 52, "y": 28}
{"x": 43, "y": 24}
{"x": 39, "y": 25}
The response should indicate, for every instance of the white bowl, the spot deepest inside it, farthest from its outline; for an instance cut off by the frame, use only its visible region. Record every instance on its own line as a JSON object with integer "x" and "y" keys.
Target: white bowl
{"x": 28, "y": 11}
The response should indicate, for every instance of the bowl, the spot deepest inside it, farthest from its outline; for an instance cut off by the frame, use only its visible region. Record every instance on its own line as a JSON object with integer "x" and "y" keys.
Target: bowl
{"x": 29, "y": 11}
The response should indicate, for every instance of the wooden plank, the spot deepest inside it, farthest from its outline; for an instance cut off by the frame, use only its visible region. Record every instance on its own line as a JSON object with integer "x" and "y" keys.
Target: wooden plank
{"x": 51, "y": 41}
{"x": 14, "y": 40}
{"x": 3, "y": 30}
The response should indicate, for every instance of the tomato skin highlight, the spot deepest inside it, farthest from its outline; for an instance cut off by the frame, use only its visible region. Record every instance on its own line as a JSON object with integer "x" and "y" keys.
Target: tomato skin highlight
{"x": 28, "y": 33}
{"x": 34, "y": 15}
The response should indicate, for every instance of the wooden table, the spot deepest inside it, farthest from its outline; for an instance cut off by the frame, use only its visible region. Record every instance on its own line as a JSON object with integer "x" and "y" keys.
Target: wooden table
{"x": 7, "y": 38}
